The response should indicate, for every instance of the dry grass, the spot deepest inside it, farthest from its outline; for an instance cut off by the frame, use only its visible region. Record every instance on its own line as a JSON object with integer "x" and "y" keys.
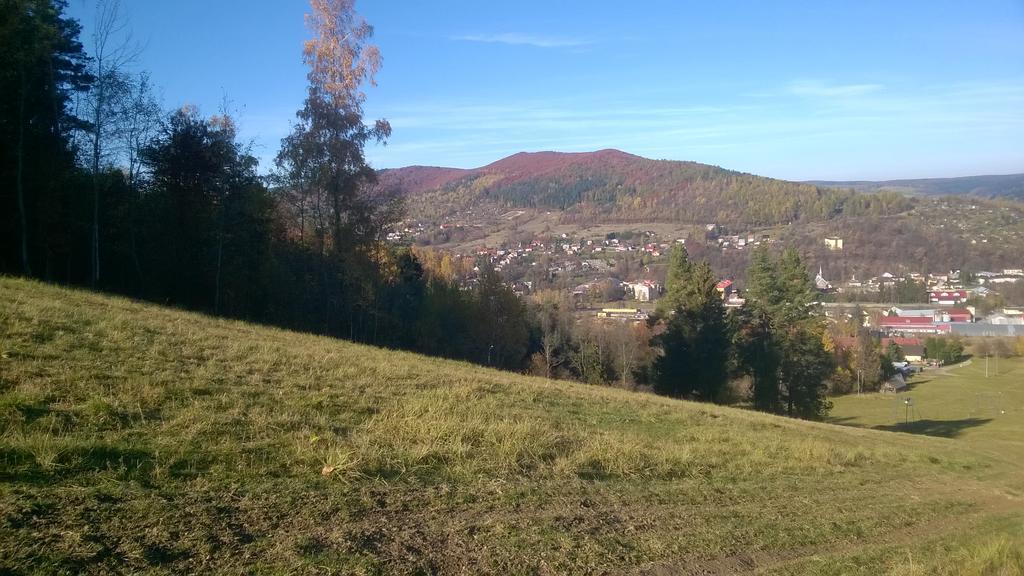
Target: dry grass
{"x": 137, "y": 438}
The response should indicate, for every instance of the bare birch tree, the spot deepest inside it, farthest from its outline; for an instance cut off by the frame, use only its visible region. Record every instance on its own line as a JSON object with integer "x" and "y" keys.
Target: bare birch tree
{"x": 112, "y": 52}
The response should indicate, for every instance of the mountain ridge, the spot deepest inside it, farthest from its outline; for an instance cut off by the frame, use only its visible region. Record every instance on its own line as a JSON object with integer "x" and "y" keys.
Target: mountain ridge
{"x": 983, "y": 185}
{"x": 545, "y": 161}
{"x": 613, "y": 185}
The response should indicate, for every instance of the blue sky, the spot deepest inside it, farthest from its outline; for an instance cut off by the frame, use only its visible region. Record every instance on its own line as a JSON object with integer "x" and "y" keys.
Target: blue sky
{"x": 796, "y": 90}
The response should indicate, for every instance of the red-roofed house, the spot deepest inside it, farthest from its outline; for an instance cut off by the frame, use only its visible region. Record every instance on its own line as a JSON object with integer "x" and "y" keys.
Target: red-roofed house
{"x": 911, "y": 325}
{"x": 948, "y": 297}
{"x": 954, "y": 315}
{"x": 724, "y": 288}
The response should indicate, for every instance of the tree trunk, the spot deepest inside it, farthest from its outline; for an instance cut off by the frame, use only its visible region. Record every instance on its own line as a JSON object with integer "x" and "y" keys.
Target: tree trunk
{"x": 220, "y": 258}
{"x": 97, "y": 127}
{"x": 135, "y": 246}
{"x": 626, "y": 364}
{"x": 20, "y": 181}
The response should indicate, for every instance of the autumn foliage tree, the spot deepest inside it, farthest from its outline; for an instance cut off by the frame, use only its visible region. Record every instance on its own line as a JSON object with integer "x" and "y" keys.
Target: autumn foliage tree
{"x": 323, "y": 174}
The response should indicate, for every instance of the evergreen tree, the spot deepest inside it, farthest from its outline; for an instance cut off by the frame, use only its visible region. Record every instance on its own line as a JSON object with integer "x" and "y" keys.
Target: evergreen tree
{"x": 672, "y": 368}
{"x": 445, "y": 324}
{"x": 806, "y": 365}
{"x": 894, "y": 353}
{"x": 758, "y": 345}
{"x": 797, "y": 295}
{"x": 781, "y": 339}
{"x": 805, "y": 369}
{"x": 759, "y": 355}
{"x": 677, "y": 281}
{"x": 42, "y": 65}
{"x": 696, "y": 343}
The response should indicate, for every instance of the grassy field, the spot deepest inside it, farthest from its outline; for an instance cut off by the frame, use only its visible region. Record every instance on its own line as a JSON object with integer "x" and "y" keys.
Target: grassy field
{"x": 135, "y": 438}
{"x": 983, "y": 412}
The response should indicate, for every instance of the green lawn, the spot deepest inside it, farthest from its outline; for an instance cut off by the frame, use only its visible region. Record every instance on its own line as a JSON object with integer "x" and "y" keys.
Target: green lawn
{"x": 135, "y": 438}
{"x": 984, "y": 412}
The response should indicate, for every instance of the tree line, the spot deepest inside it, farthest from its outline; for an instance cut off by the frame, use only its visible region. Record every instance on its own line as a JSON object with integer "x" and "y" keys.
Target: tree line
{"x": 772, "y": 354}
{"x": 102, "y": 188}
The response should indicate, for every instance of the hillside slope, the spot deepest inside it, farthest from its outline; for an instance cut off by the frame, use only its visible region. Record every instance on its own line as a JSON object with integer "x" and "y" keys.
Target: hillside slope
{"x": 616, "y": 186}
{"x": 135, "y": 438}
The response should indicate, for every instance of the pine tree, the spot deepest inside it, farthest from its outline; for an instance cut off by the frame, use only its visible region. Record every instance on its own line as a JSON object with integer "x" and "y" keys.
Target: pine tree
{"x": 781, "y": 340}
{"x": 677, "y": 281}
{"x": 763, "y": 288}
{"x": 796, "y": 291}
{"x": 696, "y": 343}
{"x": 805, "y": 368}
{"x": 757, "y": 343}
{"x": 42, "y": 65}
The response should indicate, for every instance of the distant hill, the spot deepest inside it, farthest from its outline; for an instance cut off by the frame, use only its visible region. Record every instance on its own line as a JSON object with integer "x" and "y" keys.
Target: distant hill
{"x": 940, "y": 223}
{"x": 995, "y": 186}
{"x": 142, "y": 439}
{"x": 611, "y": 185}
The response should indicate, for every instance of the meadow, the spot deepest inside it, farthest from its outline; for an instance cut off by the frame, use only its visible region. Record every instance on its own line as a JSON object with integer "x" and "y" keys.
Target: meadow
{"x": 980, "y": 407}
{"x": 135, "y": 438}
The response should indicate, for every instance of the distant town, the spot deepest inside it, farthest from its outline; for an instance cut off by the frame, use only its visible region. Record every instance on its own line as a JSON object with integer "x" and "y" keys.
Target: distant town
{"x": 620, "y": 276}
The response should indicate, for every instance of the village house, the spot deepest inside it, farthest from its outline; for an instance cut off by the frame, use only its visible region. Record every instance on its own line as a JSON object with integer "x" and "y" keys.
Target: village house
{"x": 724, "y": 288}
{"x": 643, "y": 290}
{"x": 921, "y": 312}
{"x": 948, "y": 297}
{"x": 954, "y": 315}
{"x": 1004, "y": 320}
{"x": 911, "y": 325}
{"x": 912, "y": 352}
{"x": 735, "y": 300}
{"x": 624, "y": 314}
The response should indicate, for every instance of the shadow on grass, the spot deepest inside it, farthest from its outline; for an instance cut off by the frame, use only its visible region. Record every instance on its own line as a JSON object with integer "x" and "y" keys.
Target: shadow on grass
{"x": 842, "y": 420}
{"x": 22, "y": 466}
{"x": 914, "y": 382}
{"x": 940, "y": 428}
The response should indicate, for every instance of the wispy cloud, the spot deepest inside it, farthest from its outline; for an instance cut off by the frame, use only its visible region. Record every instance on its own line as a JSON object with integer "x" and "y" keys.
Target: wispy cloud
{"x": 819, "y": 89}
{"x": 535, "y": 40}
{"x": 758, "y": 134}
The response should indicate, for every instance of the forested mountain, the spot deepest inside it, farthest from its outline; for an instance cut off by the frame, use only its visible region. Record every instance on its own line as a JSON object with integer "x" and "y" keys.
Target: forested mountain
{"x": 888, "y": 229}
{"x": 615, "y": 186}
{"x": 994, "y": 186}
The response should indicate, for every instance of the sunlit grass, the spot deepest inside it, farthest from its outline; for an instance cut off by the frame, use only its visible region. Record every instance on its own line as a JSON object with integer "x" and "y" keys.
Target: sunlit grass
{"x": 138, "y": 438}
